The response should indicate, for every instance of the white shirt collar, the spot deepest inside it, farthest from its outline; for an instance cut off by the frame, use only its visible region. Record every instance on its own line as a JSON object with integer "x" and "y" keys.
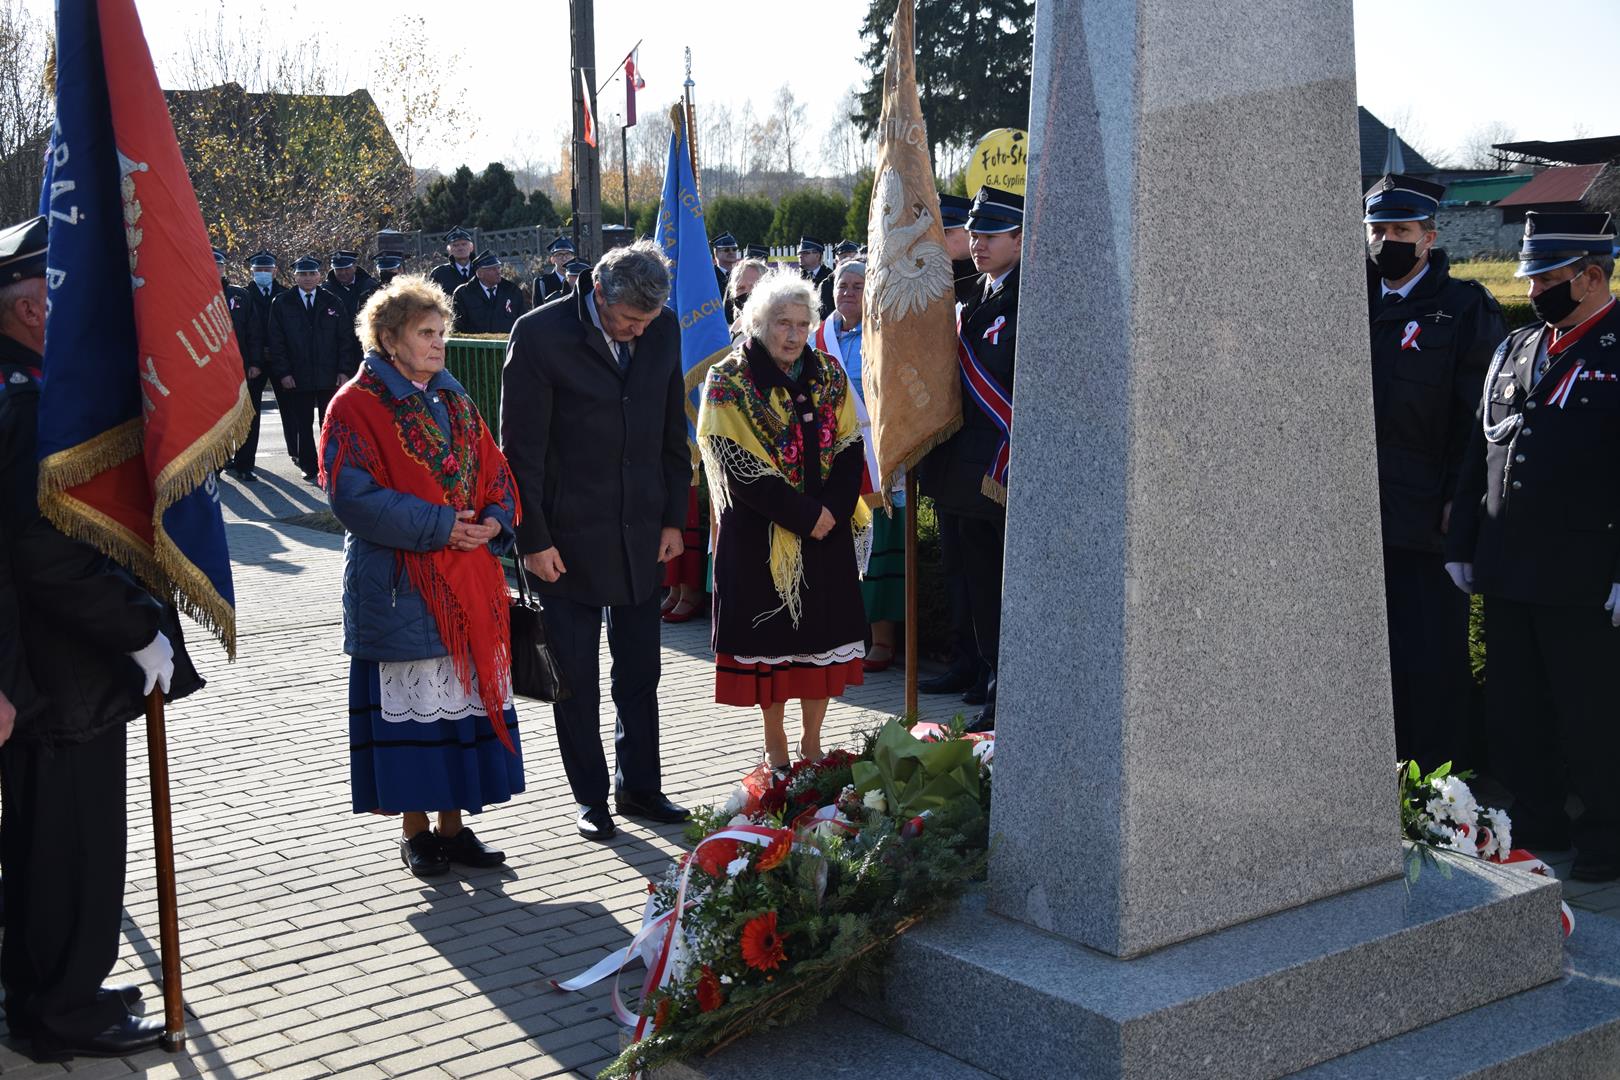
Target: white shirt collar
{"x": 596, "y": 321}
{"x": 1405, "y": 290}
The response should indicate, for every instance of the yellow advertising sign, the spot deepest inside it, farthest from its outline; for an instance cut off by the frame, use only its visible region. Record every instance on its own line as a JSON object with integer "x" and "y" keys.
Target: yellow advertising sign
{"x": 999, "y": 161}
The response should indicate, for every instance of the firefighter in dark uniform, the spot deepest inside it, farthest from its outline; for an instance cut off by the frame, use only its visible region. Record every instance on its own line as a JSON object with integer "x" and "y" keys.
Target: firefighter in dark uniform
{"x": 757, "y": 251}
{"x": 312, "y": 350}
{"x": 387, "y": 268}
{"x": 727, "y": 253}
{"x": 1432, "y": 337}
{"x": 262, "y": 289}
{"x": 843, "y": 251}
{"x": 1535, "y": 529}
{"x": 967, "y": 674}
{"x": 953, "y": 215}
{"x": 240, "y": 305}
{"x": 452, "y": 275}
{"x": 966, "y": 475}
{"x": 95, "y": 643}
{"x": 571, "y": 274}
{"x": 812, "y": 263}
{"x": 554, "y": 282}
{"x": 489, "y": 304}
{"x": 350, "y": 281}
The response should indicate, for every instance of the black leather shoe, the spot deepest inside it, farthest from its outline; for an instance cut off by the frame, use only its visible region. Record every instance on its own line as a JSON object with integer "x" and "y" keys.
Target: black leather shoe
{"x": 595, "y": 823}
{"x": 119, "y": 1039}
{"x": 951, "y": 682}
{"x": 424, "y": 854}
{"x": 247, "y": 476}
{"x": 1595, "y": 869}
{"x": 985, "y": 721}
{"x": 468, "y": 850}
{"x": 650, "y": 805}
{"x": 128, "y": 993}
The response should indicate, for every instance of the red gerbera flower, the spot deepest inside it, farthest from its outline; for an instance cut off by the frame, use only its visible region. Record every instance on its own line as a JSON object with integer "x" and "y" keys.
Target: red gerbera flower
{"x": 761, "y": 944}
{"x": 713, "y": 856}
{"x": 662, "y": 1015}
{"x": 774, "y": 855}
{"x": 709, "y": 995}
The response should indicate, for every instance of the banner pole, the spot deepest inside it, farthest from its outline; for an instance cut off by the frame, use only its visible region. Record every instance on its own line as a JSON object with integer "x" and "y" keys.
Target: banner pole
{"x": 911, "y": 593}
{"x": 157, "y": 754}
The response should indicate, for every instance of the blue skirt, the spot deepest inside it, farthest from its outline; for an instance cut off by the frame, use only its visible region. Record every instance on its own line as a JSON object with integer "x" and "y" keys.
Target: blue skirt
{"x": 425, "y": 752}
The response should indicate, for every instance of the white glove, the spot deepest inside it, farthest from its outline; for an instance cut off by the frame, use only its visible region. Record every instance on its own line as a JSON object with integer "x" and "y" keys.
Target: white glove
{"x": 1462, "y": 575}
{"x": 157, "y": 662}
{"x": 1613, "y": 606}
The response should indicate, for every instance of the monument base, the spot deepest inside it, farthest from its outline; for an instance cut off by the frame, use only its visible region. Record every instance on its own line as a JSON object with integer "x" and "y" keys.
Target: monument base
{"x": 1461, "y": 974}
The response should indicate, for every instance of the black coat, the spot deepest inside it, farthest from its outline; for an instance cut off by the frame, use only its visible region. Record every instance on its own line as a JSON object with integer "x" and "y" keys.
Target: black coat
{"x": 833, "y": 613}
{"x": 953, "y": 473}
{"x": 1425, "y": 395}
{"x": 240, "y": 305}
{"x": 476, "y": 313}
{"x": 259, "y": 331}
{"x": 84, "y": 614}
{"x": 827, "y": 303}
{"x": 447, "y": 277}
{"x": 1538, "y": 513}
{"x": 354, "y": 294}
{"x": 15, "y": 682}
{"x": 317, "y": 346}
{"x": 600, "y": 457}
{"x": 969, "y": 282}
{"x": 549, "y": 286}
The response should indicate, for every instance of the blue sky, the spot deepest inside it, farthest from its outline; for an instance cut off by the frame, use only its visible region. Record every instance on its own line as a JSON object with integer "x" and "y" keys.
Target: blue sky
{"x": 1438, "y": 69}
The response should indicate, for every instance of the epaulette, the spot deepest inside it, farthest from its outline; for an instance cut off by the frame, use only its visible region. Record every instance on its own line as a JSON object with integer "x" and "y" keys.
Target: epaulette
{"x": 1490, "y": 297}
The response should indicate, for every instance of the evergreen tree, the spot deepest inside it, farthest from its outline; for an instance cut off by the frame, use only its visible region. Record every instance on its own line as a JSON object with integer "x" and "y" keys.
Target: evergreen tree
{"x": 808, "y": 213}
{"x": 973, "y": 66}
{"x": 860, "y": 206}
{"x": 446, "y": 203}
{"x": 748, "y": 218}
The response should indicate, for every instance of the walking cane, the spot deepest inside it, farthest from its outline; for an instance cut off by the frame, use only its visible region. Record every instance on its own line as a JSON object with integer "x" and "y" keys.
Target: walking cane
{"x": 157, "y": 754}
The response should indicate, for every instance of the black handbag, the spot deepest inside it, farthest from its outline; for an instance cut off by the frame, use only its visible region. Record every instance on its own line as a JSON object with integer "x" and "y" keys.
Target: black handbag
{"x": 535, "y": 673}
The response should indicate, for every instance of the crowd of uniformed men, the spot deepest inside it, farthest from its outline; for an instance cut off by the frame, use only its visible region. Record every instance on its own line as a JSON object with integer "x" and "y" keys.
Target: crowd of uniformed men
{"x": 1499, "y": 475}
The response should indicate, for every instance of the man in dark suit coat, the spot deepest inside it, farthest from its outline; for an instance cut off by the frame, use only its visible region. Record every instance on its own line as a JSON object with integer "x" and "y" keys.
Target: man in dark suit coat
{"x": 312, "y": 350}
{"x": 593, "y": 421}
{"x": 489, "y": 304}
{"x": 240, "y": 305}
{"x": 262, "y": 289}
{"x": 452, "y": 275}
{"x": 554, "y": 282}
{"x": 961, "y": 472}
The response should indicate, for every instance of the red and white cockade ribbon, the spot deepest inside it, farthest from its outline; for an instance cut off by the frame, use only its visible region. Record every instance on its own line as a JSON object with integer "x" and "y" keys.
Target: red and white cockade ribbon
{"x": 660, "y": 971}
{"x": 1561, "y": 392}
{"x": 1409, "y": 336}
{"x": 1521, "y": 859}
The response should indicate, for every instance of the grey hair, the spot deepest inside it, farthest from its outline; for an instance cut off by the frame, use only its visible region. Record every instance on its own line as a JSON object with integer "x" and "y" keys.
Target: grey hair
{"x": 776, "y": 290}
{"x": 13, "y": 291}
{"x": 636, "y": 275}
{"x": 736, "y": 271}
{"x": 1604, "y": 263}
{"x": 853, "y": 266}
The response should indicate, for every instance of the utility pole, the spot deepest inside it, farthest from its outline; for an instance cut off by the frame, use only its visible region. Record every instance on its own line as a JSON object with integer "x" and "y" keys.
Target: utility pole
{"x": 587, "y": 163}
{"x": 624, "y": 160}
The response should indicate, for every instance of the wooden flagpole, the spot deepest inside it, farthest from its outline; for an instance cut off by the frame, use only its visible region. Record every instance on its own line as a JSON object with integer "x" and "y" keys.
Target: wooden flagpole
{"x": 157, "y": 755}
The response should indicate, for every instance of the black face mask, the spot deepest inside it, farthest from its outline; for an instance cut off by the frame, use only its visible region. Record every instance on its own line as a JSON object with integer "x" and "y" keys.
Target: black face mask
{"x": 1554, "y": 304}
{"x": 1393, "y": 258}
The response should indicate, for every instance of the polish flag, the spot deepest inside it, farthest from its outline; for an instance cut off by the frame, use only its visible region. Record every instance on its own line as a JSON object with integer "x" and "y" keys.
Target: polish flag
{"x": 585, "y": 104}
{"x": 632, "y": 82}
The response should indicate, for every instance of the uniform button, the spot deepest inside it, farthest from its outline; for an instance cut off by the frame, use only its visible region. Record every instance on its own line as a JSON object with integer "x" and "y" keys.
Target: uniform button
{"x": 625, "y": 400}
{"x": 1517, "y": 485}
{"x": 1583, "y": 401}
{"x": 1529, "y": 404}
{"x": 1527, "y": 431}
{"x": 1518, "y": 457}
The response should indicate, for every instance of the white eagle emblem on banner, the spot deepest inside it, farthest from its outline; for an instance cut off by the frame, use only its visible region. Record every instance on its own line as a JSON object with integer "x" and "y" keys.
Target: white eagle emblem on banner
{"x": 906, "y": 271}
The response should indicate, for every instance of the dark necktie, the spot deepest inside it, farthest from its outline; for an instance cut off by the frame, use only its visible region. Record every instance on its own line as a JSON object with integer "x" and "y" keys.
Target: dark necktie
{"x": 622, "y": 348}
{"x": 309, "y": 301}
{"x": 1393, "y": 298}
{"x": 491, "y": 294}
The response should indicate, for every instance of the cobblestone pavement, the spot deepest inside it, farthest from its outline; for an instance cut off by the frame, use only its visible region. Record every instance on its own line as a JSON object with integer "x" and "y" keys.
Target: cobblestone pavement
{"x": 309, "y": 950}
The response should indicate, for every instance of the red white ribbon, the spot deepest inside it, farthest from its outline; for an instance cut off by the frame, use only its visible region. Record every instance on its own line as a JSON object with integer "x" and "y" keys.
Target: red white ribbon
{"x": 1409, "y": 336}
{"x": 993, "y": 334}
{"x": 661, "y": 970}
{"x": 1561, "y": 392}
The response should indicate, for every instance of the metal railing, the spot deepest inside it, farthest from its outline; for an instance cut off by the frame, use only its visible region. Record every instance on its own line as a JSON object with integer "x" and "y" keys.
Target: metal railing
{"x": 476, "y": 364}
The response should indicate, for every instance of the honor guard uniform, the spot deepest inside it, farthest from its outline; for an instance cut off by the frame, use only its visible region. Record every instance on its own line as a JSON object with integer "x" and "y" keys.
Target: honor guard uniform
{"x": 812, "y": 265}
{"x": 953, "y": 217}
{"x": 452, "y": 275}
{"x": 757, "y": 251}
{"x": 91, "y": 639}
{"x": 387, "y": 268}
{"x": 554, "y": 282}
{"x": 967, "y": 474}
{"x": 240, "y": 305}
{"x": 726, "y": 255}
{"x": 489, "y": 304}
{"x": 312, "y": 351}
{"x": 1432, "y": 337}
{"x": 571, "y": 274}
{"x": 1536, "y": 531}
{"x": 351, "y": 284}
{"x": 262, "y": 289}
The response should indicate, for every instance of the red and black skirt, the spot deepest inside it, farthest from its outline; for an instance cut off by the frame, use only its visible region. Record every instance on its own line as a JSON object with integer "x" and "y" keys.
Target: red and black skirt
{"x": 765, "y": 681}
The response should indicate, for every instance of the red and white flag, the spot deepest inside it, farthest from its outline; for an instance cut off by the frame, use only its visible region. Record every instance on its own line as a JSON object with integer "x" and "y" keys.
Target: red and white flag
{"x": 585, "y": 105}
{"x": 632, "y": 82}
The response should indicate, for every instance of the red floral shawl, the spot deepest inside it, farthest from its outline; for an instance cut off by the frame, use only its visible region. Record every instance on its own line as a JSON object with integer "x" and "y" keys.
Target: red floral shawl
{"x": 399, "y": 443}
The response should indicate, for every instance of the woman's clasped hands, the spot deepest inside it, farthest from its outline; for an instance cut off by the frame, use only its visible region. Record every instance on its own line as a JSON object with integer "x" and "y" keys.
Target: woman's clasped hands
{"x": 469, "y": 535}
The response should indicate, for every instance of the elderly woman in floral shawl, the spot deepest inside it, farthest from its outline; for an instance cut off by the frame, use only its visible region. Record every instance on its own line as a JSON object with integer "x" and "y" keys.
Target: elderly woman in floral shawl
{"x": 428, "y": 503}
{"x": 782, "y": 447}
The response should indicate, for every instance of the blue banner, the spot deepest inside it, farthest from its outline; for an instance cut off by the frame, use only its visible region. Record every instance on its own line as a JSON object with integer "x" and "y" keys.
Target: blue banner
{"x": 695, "y": 296}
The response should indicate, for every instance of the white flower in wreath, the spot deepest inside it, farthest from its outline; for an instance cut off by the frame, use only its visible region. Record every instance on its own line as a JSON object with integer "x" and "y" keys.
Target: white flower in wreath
{"x": 738, "y": 800}
{"x": 1501, "y": 833}
{"x": 737, "y": 866}
{"x": 874, "y": 800}
{"x": 1453, "y": 802}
